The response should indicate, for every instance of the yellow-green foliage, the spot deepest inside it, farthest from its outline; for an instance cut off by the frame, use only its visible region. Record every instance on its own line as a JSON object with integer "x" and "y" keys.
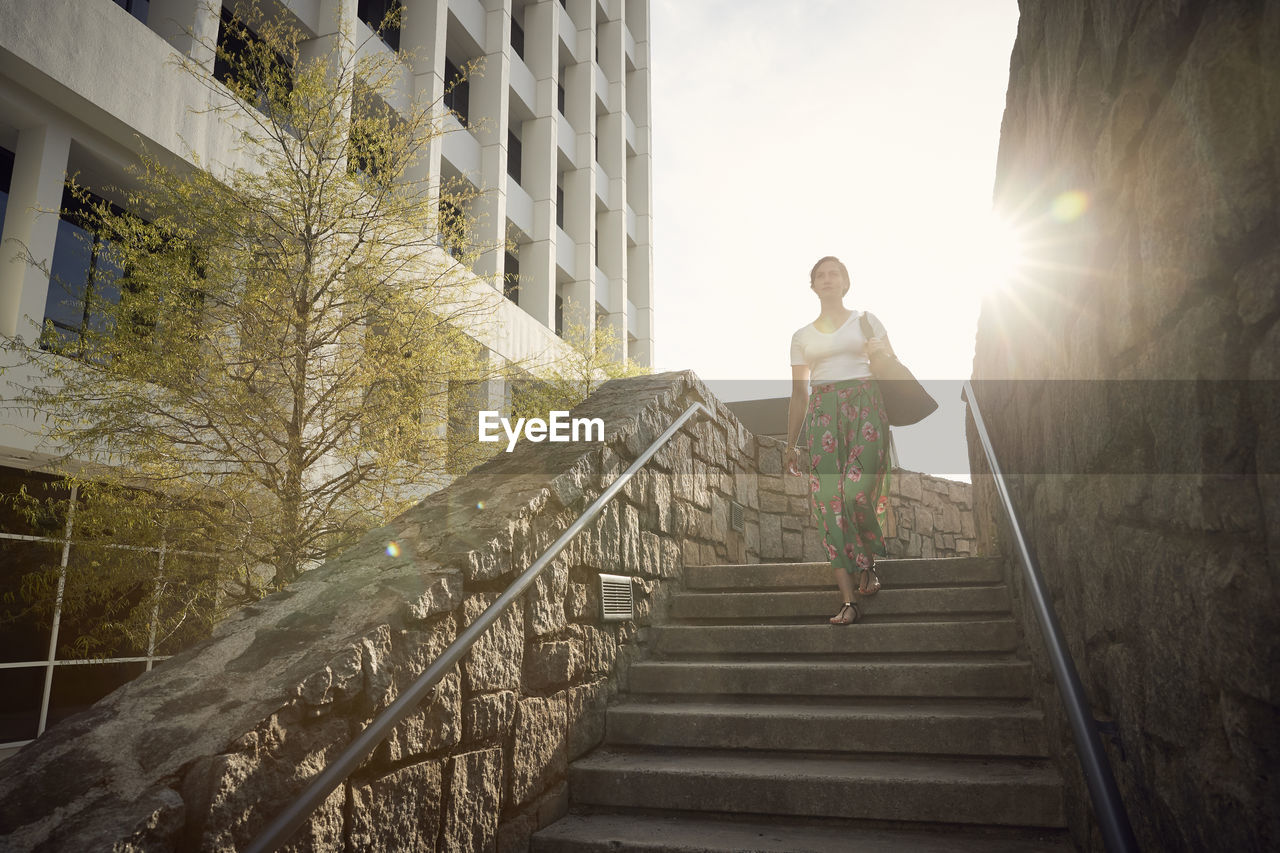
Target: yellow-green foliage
{"x": 564, "y": 384}
{"x": 273, "y": 376}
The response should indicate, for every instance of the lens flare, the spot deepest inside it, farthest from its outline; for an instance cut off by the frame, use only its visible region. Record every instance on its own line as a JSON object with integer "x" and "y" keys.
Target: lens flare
{"x": 393, "y": 549}
{"x": 1069, "y": 206}
{"x": 997, "y": 254}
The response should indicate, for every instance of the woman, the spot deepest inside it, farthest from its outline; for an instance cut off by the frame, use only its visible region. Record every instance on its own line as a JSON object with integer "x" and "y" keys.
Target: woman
{"x": 847, "y": 458}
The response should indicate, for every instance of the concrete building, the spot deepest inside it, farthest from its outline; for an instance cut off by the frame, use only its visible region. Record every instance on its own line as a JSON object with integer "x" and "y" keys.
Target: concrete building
{"x": 561, "y": 161}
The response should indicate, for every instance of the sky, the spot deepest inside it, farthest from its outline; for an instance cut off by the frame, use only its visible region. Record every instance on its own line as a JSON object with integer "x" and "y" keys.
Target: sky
{"x": 865, "y": 129}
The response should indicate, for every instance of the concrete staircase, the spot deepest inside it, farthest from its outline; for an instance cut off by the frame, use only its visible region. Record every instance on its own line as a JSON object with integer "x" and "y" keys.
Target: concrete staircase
{"x": 758, "y": 727}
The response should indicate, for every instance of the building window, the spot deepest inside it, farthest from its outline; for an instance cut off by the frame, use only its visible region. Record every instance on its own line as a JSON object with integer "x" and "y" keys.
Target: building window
{"x": 559, "y": 206}
{"x": 50, "y": 544}
{"x": 234, "y": 41}
{"x": 513, "y": 156}
{"x": 368, "y": 152}
{"x": 6, "y": 177}
{"x": 511, "y": 278}
{"x": 559, "y": 315}
{"x": 137, "y": 8}
{"x": 450, "y": 228}
{"x": 517, "y": 38}
{"x": 82, "y": 274}
{"x": 384, "y": 17}
{"x": 365, "y": 153}
{"x": 560, "y": 95}
{"x": 456, "y": 92}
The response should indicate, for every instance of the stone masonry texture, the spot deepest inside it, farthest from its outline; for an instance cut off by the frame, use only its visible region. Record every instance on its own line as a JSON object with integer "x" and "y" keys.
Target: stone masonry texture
{"x": 200, "y": 753}
{"x": 1128, "y": 380}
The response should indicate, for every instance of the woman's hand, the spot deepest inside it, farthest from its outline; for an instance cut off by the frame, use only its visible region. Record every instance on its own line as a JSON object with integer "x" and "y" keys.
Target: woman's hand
{"x": 791, "y": 461}
{"x": 878, "y": 348}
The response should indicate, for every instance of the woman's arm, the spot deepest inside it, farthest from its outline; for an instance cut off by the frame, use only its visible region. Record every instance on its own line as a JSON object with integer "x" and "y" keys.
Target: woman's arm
{"x": 796, "y": 413}
{"x": 878, "y": 346}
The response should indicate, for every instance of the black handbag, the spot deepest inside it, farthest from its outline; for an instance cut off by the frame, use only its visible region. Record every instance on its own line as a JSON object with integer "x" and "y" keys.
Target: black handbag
{"x": 905, "y": 399}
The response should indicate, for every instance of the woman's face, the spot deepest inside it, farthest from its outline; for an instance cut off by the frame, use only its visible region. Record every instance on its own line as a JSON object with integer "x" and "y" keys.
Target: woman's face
{"x": 829, "y": 280}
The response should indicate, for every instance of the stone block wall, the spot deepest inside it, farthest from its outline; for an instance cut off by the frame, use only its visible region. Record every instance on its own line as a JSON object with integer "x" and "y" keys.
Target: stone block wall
{"x": 1137, "y": 358}
{"x": 928, "y": 516}
{"x": 201, "y": 752}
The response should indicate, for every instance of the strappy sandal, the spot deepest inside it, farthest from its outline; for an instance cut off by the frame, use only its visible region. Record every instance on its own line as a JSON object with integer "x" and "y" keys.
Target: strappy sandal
{"x": 842, "y": 619}
{"x": 868, "y": 589}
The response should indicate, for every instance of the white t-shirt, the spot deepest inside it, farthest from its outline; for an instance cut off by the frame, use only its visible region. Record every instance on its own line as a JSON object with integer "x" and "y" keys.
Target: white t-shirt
{"x": 841, "y": 354}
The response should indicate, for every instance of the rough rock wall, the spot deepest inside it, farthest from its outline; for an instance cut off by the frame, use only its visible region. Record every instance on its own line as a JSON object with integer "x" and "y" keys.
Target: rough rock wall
{"x": 1139, "y": 160}
{"x": 929, "y": 516}
{"x": 200, "y": 753}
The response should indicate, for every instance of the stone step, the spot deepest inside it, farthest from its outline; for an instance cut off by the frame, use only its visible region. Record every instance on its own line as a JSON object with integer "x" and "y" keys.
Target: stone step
{"x": 894, "y": 574}
{"x": 920, "y": 728}
{"x": 995, "y": 635}
{"x": 599, "y": 833}
{"x": 778, "y": 605}
{"x": 998, "y": 792}
{"x": 994, "y": 679}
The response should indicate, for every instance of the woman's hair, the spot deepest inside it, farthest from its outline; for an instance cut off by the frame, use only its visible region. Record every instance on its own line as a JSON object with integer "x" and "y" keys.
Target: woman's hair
{"x": 843, "y": 270}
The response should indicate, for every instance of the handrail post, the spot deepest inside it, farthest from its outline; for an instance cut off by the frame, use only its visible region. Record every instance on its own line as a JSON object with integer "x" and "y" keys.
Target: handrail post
{"x": 1113, "y": 820}
{"x": 282, "y": 827}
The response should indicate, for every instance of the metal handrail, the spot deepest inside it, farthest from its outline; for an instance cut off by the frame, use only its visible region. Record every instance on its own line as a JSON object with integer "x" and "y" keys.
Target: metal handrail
{"x": 1113, "y": 820}
{"x": 296, "y": 813}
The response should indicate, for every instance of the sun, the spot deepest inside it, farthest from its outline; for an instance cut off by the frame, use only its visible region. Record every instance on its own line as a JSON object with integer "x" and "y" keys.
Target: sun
{"x": 999, "y": 254}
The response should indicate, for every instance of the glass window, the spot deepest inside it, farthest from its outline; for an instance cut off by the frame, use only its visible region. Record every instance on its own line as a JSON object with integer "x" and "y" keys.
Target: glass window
{"x": 373, "y": 125}
{"x": 517, "y": 38}
{"x": 137, "y": 8}
{"x": 451, "y": 228}
{"x": 365, "y": 152}
{"x": 39, "y": 487}
{"x": 232, "y": 42}
{"x": 6, "y": 177}
{"x": 93, "y": 612}
{"x": 28, "y": 588}
{"x": 513, "y": 156}
{"x": 71, "y": 268}
{"x": 511, "y": 278}
{"x": 81, "y": 273}
{"x": 186, "y": 616}
{"x": 91, "y": 616}
{"x": 76, "y": 687}
{"x": 234, "y": 39}
{"x": 21, "y": 691}
{"x": 457, "y": 95}
{"x": 26, "y": 602}
{"x": 375, "y": 13}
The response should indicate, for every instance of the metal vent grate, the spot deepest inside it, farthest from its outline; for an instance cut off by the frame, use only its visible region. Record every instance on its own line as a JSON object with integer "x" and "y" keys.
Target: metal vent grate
{"x": 617, "y": 604}
{"x": 737, "y": 521}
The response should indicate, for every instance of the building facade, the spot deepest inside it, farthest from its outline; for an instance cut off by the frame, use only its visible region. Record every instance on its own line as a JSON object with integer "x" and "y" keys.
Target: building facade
{"x": 553, "y": 135}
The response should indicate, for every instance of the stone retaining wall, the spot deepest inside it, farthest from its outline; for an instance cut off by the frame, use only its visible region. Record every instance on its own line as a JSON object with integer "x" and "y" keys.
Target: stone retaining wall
{"x": 201, "y": 752}
{"x": 928, "y": 516}
{"x": 1140, "y": 159}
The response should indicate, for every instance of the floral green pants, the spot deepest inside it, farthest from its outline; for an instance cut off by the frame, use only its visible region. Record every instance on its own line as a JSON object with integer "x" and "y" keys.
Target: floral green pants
{"x": 849, "y": 469}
